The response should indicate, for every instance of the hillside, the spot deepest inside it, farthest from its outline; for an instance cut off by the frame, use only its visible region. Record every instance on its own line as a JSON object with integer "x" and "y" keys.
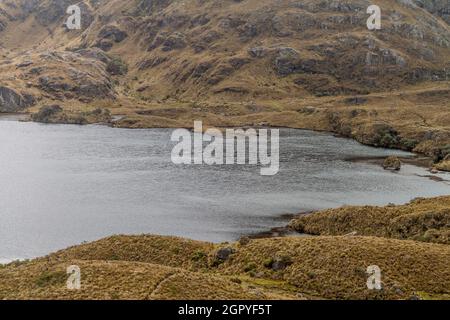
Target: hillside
{"x": 152, "y": 267}
{"x": 302, "y": 64}
{"x": 410, "y": 244}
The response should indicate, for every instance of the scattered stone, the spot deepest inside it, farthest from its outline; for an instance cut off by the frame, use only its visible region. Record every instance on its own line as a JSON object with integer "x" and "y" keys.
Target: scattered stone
{"x": 243, "y": 241}
{"x": 224, "y": 253}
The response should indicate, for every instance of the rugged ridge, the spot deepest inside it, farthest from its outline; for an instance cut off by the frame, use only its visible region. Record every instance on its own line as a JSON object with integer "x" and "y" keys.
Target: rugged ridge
{"x": 198, "y": 49}
{"x": 303, "y": 64}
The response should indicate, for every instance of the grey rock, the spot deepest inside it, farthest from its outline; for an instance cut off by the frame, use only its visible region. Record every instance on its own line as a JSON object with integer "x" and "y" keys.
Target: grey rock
{"x": 224, "y": 253}
{"x": 12, "y": 101}
{"x": 280, "y": 263}
{"x": 45, "y": 113}
{"x": 104, "y": 44}
{"x": 112, "y": 32}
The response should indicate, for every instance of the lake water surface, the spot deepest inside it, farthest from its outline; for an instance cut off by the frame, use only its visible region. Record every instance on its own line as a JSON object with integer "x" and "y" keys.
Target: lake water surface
{"x": 61, "y": 185}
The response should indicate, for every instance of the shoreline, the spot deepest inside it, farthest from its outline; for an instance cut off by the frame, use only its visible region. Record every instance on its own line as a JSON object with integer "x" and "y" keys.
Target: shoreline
{"x": 416, "y": 160}
{"x": 26, "y": 117}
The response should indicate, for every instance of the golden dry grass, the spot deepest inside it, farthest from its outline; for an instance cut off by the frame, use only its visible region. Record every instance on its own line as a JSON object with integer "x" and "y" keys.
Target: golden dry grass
{"x": 335, "y": 267}
{"x": 422, "y": 219}
{"x": 153, "y": 267}
{"x": 443, "y": 165}
{"x": 106, "y": 280}
{"x": 168, "y": 251}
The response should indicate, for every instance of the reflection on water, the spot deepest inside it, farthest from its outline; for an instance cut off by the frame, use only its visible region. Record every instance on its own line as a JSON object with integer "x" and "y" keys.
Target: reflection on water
{"x": 61, "y": 185}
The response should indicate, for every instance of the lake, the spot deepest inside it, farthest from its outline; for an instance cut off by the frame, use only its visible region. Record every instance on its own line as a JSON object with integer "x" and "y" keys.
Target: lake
{"x": 62, "y": 185}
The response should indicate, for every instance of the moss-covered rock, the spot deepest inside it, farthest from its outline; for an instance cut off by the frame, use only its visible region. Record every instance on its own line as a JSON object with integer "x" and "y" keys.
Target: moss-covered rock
{"x": 392, "y": 163}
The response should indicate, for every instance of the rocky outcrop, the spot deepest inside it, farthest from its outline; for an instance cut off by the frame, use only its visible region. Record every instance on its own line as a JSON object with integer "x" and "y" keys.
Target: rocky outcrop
{"x": 109, "y": 35}
{"x": 113, "y": 32}
{"x": 12, "y": 101}
{"x": 212, "y": 49}
{"x": 287, "y": 61}
{"x": 440, "y": 8}
{"x": 46, "y": 113}
{"x": 56, "y": 114}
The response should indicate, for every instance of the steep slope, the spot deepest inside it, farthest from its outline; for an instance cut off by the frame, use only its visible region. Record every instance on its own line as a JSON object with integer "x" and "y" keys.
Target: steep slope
{"x": 304, "y": 64}
{"x": 198, "y": 49}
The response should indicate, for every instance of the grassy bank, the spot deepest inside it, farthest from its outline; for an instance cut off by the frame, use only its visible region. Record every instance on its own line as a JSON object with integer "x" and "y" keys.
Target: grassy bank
{"x": 154, "y": 267}
{"x": 425, "y": 220}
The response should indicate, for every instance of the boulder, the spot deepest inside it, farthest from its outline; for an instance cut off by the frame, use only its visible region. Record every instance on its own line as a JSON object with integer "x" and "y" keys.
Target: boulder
{"x": 224, "y": 253}
{"x": 280, "y": 262}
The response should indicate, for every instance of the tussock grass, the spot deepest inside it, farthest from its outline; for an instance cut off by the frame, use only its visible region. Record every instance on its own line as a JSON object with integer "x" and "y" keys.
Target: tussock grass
{"x": 153, "y": 267}
{"x": 422, "y": 219}
{"x": 168, "y": 251}
{"x": 335, "y": 267}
